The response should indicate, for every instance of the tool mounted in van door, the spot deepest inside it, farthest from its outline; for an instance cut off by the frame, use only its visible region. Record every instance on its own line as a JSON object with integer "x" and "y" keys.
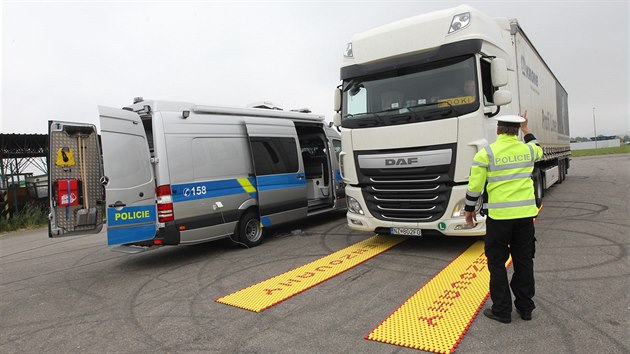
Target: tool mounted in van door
{"x": 65, "y": 157}
{"x": 86, "y": 215}
{"x": 75, "y": 169}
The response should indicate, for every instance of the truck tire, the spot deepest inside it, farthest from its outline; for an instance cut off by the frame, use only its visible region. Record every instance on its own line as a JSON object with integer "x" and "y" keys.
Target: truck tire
{"x": 539, "y": 191}
{"x": 248, "y": 230}
{"x": 560, "y": 171}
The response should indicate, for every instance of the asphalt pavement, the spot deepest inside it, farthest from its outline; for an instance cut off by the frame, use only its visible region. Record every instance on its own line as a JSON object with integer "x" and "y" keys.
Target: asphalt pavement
{"x": 74, "y": 295}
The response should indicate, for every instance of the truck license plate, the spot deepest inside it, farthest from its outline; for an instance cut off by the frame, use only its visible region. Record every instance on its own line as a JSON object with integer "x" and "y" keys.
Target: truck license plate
{"x": 405, "y": 231}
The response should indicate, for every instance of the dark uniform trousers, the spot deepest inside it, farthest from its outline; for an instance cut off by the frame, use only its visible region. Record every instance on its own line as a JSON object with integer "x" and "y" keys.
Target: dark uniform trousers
{"x": 515, "y": 237}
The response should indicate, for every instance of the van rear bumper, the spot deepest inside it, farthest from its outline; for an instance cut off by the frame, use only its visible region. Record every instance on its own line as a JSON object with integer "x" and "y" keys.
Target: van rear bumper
{"x": 169, "y": 234}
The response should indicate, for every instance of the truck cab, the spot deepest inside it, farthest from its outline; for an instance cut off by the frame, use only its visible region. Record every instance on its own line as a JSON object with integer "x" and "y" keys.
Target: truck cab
{"x": 414, "y": 104}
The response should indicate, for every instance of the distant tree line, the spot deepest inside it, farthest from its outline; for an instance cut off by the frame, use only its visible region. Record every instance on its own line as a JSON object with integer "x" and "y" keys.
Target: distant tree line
{"x": 581, "y": 139}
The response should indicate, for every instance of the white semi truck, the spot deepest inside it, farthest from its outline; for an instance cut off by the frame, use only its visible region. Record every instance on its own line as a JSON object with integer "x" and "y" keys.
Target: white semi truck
{"x": 415, "y": 106}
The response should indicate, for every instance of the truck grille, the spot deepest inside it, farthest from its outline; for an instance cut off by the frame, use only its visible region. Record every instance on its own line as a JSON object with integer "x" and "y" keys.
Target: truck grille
{"x": 407, "y": 194}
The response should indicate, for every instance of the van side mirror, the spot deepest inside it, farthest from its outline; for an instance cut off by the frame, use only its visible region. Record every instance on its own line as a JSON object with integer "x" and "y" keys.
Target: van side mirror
{"x": 502, "y": 97}
{"x": 337, "y": 101}
{"x": 337, "y": 119}
{"x": 499, "y": 72}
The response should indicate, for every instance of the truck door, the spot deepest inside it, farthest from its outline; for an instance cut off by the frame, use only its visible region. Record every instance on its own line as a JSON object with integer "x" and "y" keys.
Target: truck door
{"x": 129, "y": 179}
{"x": 74, "y": 172}
{"x": 279, "y": 174}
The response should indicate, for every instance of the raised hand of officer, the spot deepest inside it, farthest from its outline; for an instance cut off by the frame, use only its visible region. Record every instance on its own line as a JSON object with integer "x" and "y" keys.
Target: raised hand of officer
{"x": 524, "y": 127}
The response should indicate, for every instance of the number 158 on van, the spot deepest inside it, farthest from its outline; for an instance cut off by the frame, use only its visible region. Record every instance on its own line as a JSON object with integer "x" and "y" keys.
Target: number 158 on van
{"x": 194, "y": 191}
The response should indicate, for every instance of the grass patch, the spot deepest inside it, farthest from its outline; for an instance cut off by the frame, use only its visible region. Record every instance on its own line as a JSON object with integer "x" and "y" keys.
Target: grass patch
{"x": 30, "y": 217}
{"x": 624, "y": 149}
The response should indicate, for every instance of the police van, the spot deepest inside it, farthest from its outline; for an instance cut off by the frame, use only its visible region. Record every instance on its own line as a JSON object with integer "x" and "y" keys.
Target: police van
{"x": 169, "y": 173}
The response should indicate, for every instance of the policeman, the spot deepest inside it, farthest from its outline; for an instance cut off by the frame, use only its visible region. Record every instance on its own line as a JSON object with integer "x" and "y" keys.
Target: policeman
{"x": 504, "y": 169}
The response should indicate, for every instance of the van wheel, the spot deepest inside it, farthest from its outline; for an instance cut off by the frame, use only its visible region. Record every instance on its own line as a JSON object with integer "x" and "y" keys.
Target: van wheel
{"x": 249, "y": 230}
{"x": 539, "y": 191}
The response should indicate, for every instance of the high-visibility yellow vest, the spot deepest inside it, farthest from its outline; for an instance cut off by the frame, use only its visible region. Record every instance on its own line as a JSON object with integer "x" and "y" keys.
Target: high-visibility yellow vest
{"x": 506, "y": 166}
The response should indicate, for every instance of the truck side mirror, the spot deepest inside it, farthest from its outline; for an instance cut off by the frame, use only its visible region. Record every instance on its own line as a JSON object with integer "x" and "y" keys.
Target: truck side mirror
{"x": 337, "y": 101}
{"x": 502, "y": 97}
{"x": 499, "y": 72}
{"x": 337, "y": 119}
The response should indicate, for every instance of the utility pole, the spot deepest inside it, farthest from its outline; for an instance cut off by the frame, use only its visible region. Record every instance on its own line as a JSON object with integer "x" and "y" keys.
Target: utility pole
{"x": 594, "y": 128}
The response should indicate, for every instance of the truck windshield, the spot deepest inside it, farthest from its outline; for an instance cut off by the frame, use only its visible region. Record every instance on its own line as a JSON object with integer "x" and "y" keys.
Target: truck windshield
{"x": 440, "y": 90}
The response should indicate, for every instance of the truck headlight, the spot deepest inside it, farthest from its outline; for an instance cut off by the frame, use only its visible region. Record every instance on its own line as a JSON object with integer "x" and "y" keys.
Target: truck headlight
{"x": 459, "y": 211}
{"x": 354, "y": 206}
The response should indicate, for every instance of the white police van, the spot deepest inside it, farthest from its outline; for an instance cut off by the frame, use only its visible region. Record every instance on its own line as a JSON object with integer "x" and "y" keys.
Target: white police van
{"x": 179, "y": 173}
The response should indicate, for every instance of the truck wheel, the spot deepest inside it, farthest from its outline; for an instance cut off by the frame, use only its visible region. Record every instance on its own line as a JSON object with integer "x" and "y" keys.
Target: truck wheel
{"x": 539, "y": 191}
{"x": 249, "y": 230}
{"x": 560, "y": 171}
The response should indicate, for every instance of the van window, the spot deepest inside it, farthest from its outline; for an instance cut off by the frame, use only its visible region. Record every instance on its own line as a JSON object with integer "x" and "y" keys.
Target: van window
{"x": 274, "y": 155}
{"x": 131, "y": 166}
{"x": 220, "y": 157}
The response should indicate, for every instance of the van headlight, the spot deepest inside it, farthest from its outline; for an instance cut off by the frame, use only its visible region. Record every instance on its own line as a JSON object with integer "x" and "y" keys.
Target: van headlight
{"x": 354, "y": 206}
{"x": 459, "y": 211}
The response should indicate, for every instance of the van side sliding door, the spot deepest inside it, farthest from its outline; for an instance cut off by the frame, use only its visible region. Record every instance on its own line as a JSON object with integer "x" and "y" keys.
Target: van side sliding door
{"x": 280, "y": 179}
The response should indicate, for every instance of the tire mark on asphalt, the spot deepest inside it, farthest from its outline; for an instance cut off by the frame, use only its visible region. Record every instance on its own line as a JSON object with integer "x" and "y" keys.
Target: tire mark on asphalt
{"x": 53, "y": 243}
{"x": 46, "y": 255}
{"x": 622, "y": 254}
{"x": 57, "y": 271}
{"x": 569, "y": 338}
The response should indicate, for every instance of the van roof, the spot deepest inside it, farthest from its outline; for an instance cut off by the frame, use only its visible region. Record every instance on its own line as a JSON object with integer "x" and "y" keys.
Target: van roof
{"x": 174, "y": 106}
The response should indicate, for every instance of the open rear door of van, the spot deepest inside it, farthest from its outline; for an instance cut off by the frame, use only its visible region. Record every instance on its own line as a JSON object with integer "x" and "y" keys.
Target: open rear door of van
{"x": 129, "y": 178}
{"x": 77, "y": 199}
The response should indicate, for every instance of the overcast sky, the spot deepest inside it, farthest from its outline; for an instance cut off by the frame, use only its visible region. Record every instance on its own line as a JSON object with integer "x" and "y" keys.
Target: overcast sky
{"x": 60, "y": 59}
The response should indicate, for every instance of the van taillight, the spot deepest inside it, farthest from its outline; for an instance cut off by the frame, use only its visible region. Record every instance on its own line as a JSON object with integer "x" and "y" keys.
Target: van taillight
{"x": 164, "y": 203}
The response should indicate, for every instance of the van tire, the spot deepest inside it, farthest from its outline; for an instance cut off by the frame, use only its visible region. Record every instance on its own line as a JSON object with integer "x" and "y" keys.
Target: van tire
{"x": 248, "y": 230}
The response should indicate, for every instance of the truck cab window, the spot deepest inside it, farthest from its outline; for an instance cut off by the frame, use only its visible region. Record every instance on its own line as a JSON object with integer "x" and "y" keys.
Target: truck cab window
{"x": 411, "y": 94}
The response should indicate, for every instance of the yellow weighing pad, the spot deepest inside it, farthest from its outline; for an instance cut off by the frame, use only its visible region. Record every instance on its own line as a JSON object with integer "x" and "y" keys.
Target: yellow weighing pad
{"x": 265, "y": 294}
{"x": 438, "y": 315}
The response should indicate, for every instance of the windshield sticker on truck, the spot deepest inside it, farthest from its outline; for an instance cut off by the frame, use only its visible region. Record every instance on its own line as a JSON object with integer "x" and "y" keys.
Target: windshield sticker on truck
{"x": 456, "y": 101}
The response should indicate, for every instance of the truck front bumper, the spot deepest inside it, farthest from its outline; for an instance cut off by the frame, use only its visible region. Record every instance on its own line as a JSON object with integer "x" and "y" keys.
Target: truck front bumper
{"x": 446, "y": 225}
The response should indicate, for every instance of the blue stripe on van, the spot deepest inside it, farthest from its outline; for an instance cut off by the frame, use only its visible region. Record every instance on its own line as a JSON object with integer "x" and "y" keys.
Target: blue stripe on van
{"x": 200, "y": 190}
{"x": 130, "y": 215}
{"x": 288, "y": 180}
{"x": 210, "y": 189}
{"x": 131, "y": 224}
{"x": 130, "y": 234}
{"x": 338, "y": 176}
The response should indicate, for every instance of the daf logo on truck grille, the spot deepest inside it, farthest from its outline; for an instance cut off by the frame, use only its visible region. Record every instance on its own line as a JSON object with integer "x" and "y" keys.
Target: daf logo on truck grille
{"x": 406, "y": 159}
{"x": 398, "y": 162}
